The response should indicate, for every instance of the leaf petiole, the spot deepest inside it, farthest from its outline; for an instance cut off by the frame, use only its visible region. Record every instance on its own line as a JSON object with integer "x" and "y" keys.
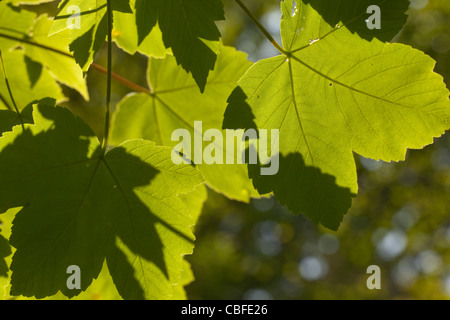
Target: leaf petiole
{"x": 10, "y": 92}
{"x": 262, "y": 28}
{"x": 109, "y": 78}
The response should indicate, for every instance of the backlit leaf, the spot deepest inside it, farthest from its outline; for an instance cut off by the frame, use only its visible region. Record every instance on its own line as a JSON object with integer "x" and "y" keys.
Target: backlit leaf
{"x": 80, "y": 207}
{"x": 176, "y": 103}
{"x": 334, "y": 93}
{"x": 188, "y": 28}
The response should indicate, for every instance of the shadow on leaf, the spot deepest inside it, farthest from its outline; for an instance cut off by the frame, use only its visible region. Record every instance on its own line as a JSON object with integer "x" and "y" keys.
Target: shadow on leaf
{"x": 34, "y": 70}
{"x": 79, "y": 45}
{"x": 238, "y": 114}
{"x": 80, "y": 207}
{"x": 188, "y": 27}
{"x": 5, "y": 251}
{"x": 353, "y": 15}
{"x": 305, "y": 190}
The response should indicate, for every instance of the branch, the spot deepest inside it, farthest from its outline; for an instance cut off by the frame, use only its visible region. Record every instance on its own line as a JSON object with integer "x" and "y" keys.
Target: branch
{"x": 122, "y": 80}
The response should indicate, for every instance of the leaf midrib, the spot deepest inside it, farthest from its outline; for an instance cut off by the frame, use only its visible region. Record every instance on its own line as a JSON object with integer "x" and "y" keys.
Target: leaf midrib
{"x": 294, "y": 100}
{"x": 344, "y": 25}
{"x": 124, "y": 195}
{"x": 349, "y": 87}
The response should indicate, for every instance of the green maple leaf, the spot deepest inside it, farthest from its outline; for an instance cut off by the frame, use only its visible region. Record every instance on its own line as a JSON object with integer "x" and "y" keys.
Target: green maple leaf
{"x": 21, "y": 29}
{"x": 103, "y": 287}
{"x": 176, "y": 103}
{"x": 333, "y": 93}
{"x": 8, "y": 119}
{"x": 87, "y": 38}
{"x": 314, "y": 19}
{"x": 14, "y": 23}
{"x": 126, "y": 35}
{"x": 188, "y": 28}
{"x": 29, "y": 81}
{"x": 80, "y": 207}
{"x": 62, "y": 67}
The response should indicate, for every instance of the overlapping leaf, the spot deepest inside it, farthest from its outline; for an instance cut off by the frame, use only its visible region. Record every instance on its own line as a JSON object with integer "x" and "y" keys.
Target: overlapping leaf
{"x": 316, "y": 19}
{"x": 87, "y": 21}
{"x": 103, "y": 287}
{"x": 8, "y": 119}
{"x": 15, "y": 24}
{"x": 126, "y": 35}
{"x": 176, "y": 103}
{"x": 334, "y": 93}
{"x": 188, "y": 28}
{"x": 62, "y": 67}
{"x": 80, "y": 207}
{"x": 28, "y": 80}
{"x": 23, "y": 29}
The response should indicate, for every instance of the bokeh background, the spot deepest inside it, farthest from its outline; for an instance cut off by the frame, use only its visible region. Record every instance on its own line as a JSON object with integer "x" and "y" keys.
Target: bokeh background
{"x": 400, "y": 220}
